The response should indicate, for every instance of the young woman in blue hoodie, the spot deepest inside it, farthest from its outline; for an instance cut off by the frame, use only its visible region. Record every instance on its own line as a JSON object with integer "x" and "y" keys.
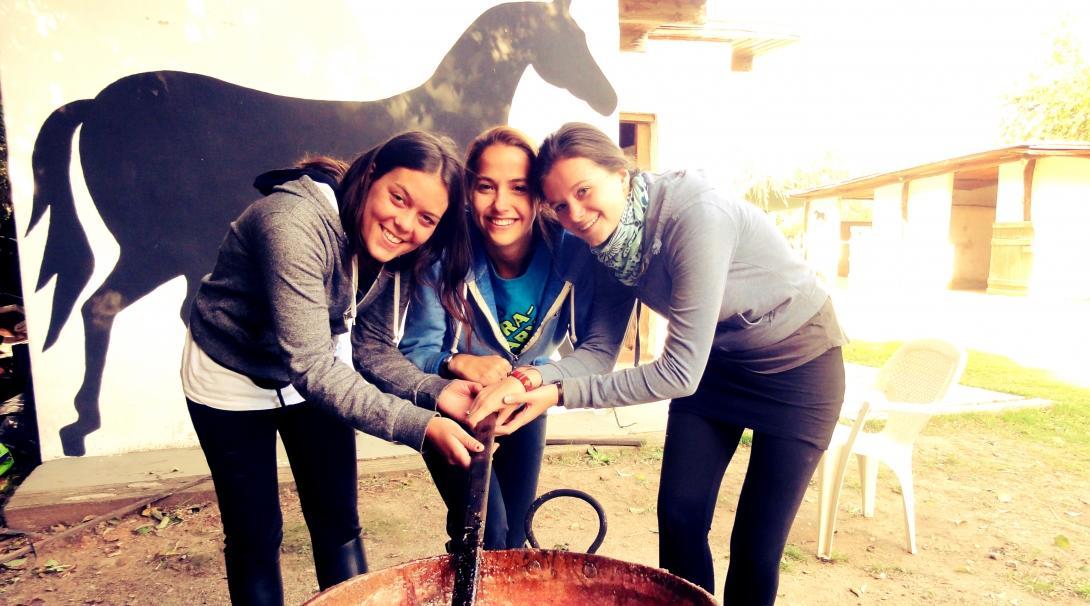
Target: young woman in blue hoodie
{"x": 752, "y": 342}
{"x": 531, "y": 286}
{"x": 268, "y": 349}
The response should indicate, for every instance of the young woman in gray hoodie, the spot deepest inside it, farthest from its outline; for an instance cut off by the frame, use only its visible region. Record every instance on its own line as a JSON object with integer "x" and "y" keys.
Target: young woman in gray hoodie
{"x": 752, "y": 342}
{"x": 268, "y": 352}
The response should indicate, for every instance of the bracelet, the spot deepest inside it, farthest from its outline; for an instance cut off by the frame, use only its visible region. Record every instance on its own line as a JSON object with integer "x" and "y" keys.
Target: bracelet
{"x": 522, "y": 378}
{"x": 560, "y": 394}
{"x": 444, "y": 368}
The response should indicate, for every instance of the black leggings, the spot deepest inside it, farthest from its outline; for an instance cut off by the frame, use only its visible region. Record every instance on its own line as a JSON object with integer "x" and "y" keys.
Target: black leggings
{"x": 512, "y": 488}
{"x": 695, "y": 458}
{"x": 241, "y": 451}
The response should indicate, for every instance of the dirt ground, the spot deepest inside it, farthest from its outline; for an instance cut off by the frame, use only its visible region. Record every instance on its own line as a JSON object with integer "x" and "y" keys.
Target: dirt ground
{"x": 997, "y": 524}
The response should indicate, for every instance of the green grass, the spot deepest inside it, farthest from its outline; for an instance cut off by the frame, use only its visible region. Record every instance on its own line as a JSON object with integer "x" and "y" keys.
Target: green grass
{"x": 296, "y": 540}
{"x": 1058, "y": 435}
{"x": 794, "y": 553}
{"x": 791, "y": 555}
{"x": 1064, "y": 425}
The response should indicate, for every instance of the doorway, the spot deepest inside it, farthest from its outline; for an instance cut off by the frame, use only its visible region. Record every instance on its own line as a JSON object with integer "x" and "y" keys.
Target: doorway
{"x": 636, "y": 138}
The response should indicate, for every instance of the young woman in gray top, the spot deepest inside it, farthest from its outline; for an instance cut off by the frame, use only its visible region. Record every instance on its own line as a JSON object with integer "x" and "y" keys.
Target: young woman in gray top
{"x": 268, "y": 351}
{"x": 752, "y": 341}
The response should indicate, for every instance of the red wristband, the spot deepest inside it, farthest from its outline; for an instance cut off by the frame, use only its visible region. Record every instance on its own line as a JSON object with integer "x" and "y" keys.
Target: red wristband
{"x": 522, "y": 378}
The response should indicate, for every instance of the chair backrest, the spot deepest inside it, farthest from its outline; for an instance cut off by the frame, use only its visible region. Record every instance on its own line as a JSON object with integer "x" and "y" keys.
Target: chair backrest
{"x": 921, "y": 371}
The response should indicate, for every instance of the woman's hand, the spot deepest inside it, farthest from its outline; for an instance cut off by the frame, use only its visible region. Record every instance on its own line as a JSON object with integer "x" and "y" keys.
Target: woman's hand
{"x": 452, "y": 441}
{"x": 485, "y": 370}
{"x": 455, "y": 399}
{"x": 526, "y": 407}
{"x": 490, "y": 400}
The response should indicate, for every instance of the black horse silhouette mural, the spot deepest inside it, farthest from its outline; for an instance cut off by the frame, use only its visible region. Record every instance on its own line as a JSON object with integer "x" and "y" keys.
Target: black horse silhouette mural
{"x": 168, "y": 158}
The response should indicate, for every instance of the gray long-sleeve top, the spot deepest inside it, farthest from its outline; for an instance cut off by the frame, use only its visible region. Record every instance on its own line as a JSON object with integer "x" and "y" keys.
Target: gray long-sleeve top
{"x": 279, "y": 296}
{"x": 723, "y": 277}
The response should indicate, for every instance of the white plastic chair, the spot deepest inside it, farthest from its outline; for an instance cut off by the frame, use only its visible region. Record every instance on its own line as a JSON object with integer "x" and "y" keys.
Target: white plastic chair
{"x": 909, "y": 389}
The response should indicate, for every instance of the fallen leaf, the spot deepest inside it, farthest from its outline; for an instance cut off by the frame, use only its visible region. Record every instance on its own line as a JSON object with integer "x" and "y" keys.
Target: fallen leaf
{"x": 53, "y": 566}
{"x": 15, "y": 564}
{"x": 1062, "y": 542}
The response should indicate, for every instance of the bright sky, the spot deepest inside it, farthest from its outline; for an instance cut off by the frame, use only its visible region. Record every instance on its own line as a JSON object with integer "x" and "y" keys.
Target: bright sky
{"x": 889, "y": 83}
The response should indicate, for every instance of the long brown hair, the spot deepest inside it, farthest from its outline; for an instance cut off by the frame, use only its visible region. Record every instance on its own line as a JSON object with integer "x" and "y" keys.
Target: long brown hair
{"x": 432, "y": 154}
{"x": 576, "y": 140}
{"x": 545, "y": 225}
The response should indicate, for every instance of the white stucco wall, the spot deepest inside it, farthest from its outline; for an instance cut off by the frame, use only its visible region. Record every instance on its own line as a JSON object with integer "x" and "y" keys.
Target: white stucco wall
{"x": 53, "y": 52}
{"x": 927, "y": 247}
{"x": 689, "y": 88}
{"x": 1061, "y": 220}
{"x": 822, "y": 241}
{"x": 876, "y": 255}
{"x": 1008, "y": 205}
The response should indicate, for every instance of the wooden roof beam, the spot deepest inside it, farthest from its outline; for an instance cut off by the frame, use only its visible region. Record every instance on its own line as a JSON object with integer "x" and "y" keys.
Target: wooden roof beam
{"x": 638, "y": 18}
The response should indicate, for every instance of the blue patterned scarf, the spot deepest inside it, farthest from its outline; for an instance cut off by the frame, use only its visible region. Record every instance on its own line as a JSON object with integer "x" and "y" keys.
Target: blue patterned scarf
{"x": 621, "y": 251}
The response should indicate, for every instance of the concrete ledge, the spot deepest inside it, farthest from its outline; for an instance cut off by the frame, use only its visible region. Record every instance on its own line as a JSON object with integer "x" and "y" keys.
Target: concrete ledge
{"x": 70, "y": 489}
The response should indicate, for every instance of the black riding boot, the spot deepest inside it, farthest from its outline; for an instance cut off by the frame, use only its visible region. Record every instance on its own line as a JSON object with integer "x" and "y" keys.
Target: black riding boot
{"x": 254, "y": 583}
{"x": 340, "y": 563}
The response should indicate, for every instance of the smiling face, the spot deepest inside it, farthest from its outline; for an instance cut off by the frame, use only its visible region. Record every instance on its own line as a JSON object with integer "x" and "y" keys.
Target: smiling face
{"x": 502, "y": 207}
{"x": 587, "y": 198}
{"x": 402, "y": 210}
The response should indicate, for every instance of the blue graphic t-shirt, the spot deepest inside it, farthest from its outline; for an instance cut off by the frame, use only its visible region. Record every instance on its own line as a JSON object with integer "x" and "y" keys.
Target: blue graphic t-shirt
{"x": 518, "y": 300}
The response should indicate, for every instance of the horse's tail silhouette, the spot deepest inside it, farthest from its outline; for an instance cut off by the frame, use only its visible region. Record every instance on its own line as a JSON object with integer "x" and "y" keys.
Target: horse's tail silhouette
{"x": 68, "y": 248}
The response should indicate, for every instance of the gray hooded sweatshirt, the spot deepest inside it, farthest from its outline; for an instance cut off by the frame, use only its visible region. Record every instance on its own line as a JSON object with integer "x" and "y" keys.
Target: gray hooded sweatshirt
{"x": 726, "y": 281}
{"x": 281, "y": 293}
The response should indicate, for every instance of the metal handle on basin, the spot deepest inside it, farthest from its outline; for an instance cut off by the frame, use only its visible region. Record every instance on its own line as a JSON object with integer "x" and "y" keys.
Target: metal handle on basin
{"x": 567, "y": 492}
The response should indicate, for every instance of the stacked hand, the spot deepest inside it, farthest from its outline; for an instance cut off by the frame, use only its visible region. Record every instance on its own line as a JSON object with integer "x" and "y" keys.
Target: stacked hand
{"x": 467, "y": 402}
{"x": 485, "y": 370}
{"x": 516, "y": 406}
{"x": 445, "y": 434}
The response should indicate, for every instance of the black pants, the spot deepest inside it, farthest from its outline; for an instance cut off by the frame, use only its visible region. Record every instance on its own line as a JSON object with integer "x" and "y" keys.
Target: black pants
{"x": 241, "y": 451}
{"x": 698, "y": 449}
{"x": 512, "y": 488}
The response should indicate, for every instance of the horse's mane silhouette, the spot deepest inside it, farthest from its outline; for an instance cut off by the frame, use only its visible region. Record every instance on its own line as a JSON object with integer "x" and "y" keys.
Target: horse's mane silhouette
{"x": 168, "y": 158}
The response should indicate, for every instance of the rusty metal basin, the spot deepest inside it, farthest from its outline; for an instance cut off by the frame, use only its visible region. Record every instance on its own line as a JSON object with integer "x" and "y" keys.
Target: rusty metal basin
{"x": 517, "y": 577}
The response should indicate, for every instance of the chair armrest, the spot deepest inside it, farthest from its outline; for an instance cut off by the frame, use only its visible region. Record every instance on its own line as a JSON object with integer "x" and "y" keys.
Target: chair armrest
{"x": 872, "y": 402}
{"x": 930, "y": 408}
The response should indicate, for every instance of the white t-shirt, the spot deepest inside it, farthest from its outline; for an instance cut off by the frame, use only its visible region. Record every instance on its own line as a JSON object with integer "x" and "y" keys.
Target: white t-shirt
{"x": 207, "y": 382}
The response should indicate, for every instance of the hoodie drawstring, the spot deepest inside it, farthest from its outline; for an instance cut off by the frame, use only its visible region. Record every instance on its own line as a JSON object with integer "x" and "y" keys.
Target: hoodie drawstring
{"x": 571, "y": 320}
{"x": 397, "y": 306}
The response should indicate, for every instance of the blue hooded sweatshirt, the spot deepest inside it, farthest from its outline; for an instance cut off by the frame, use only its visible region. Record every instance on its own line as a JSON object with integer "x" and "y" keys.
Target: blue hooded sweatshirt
{"x": 577, "y": 289}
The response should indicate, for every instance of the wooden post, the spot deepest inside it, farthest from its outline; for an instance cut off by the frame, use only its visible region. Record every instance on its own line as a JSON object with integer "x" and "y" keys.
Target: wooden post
{"x": 1027, "y": 189}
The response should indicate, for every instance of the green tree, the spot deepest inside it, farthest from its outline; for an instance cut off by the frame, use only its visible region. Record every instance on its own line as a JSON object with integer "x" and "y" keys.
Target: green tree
{"x": 5, "y": 187}
{"x": 1054, "y": 104}
{"x": 772, "y": 191}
